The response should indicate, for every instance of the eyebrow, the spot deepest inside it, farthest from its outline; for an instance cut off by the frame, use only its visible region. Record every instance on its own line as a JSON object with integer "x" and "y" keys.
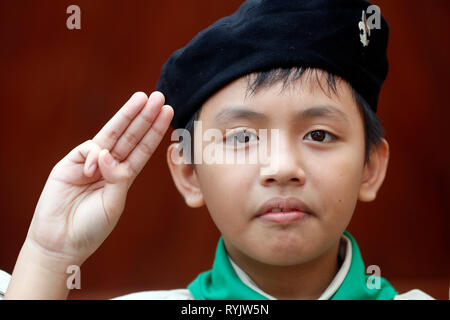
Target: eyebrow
{"x": 237, "y": 113}
{"x": 327, "y": 111}
{"x": 241, "y": 113}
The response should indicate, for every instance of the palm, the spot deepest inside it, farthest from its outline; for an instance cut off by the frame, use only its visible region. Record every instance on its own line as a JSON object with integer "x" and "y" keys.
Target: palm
{"x": 78, "y": 208}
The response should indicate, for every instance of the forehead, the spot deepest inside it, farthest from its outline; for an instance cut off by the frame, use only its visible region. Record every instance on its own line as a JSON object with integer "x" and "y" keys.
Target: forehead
{"x": 280, "y": 102}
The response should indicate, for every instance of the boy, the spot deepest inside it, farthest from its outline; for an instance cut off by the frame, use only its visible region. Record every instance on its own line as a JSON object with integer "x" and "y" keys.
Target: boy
{"x": 283, "y": 229}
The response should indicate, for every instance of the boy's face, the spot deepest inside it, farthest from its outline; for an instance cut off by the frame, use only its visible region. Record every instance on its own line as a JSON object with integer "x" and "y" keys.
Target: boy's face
{"x": 320, "y": 161}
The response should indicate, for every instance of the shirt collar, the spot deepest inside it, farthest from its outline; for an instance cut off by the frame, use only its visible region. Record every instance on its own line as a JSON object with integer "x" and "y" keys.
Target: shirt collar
{"x": 345, "y": 255}
{"x": 225, "y": 282}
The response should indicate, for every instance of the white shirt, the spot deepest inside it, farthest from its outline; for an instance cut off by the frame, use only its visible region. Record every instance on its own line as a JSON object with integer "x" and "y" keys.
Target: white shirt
{"x": 345, "y": 253}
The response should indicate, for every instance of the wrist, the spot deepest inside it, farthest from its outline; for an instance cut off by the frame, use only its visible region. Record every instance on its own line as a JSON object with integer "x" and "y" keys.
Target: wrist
{"x": 40, "y": 274}
{"x": 54, "y": 262}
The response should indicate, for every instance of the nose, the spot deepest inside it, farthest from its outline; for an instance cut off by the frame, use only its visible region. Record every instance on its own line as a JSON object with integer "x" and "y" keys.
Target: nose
{"x": 284, "y": 166}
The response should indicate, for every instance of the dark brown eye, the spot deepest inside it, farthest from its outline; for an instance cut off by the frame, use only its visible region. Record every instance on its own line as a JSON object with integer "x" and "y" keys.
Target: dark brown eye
{"x": 320, "y": 136}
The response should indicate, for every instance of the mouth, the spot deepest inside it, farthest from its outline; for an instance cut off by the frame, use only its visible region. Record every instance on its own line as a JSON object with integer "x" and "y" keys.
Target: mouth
{"x": 283, "y": 211}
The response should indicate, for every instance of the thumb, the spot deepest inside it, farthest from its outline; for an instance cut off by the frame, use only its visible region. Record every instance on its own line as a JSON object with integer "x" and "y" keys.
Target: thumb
{"x": 117, "y": 179}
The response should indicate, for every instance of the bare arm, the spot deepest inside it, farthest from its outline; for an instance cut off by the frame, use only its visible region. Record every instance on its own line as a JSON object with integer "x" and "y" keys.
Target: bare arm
{"x": 84, "y": 197}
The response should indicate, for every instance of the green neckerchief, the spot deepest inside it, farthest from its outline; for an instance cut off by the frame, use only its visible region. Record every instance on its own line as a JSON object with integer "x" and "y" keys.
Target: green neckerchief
{"x": 222, "y": 282}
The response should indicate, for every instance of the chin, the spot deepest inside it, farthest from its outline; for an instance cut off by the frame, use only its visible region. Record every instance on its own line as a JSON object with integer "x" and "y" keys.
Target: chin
{"x": 282, "y": 253}
{"x": 284, "y": 260}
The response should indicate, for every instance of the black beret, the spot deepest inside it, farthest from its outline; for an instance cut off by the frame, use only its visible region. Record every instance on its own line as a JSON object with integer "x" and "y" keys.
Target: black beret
{"x": 339, "y": 36}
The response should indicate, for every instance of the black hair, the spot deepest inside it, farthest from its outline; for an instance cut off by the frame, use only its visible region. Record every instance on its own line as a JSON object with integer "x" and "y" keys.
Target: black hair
{"x": 373, "y": 129}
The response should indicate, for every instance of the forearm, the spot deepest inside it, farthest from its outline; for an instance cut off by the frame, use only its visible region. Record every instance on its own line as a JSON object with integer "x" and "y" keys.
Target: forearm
{"x": 38, "y": 275}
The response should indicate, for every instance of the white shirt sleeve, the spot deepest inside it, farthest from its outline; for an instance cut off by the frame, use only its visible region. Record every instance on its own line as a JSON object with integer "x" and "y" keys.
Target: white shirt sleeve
{"x": 414, "y": 294}
{"x": 4, "y": 282}
{"x": 175, "y": 294}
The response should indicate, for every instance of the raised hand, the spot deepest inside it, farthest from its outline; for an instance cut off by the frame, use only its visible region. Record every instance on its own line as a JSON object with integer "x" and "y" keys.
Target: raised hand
{"x": 85, "y": 193}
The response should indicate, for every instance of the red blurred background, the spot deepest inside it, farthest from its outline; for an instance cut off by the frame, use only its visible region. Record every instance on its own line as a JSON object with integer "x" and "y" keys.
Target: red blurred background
{"x": 59, "y": 86}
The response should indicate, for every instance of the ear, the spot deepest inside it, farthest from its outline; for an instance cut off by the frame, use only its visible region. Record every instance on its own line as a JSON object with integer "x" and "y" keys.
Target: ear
{"x": 374, "y": 172}
{"x": 185, "y": 177}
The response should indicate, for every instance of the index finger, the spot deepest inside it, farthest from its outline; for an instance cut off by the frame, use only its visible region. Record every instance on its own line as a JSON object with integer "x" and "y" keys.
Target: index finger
{"x": 107, "y": 137}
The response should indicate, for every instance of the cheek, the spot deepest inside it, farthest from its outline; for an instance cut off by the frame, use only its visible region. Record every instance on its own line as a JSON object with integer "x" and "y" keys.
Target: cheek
{"x": 337, "y": 180}
{"x": 226, "y": 190}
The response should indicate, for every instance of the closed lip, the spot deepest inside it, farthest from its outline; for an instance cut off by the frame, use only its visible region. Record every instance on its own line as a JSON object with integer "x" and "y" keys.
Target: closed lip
{"x": 292, "y": 204}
